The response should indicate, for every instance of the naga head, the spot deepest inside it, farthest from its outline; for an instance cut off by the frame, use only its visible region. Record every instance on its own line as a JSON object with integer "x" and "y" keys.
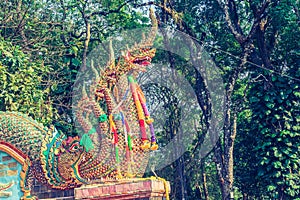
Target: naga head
{"x": 134, "y": 59}
{"x": 69, "y": 162}
{"x": 59, "y": 158}
{"x": 138, "y": 57}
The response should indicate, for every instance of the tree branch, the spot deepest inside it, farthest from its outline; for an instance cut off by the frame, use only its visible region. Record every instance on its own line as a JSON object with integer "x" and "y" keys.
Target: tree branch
{"x": 229, "y": 9}
{"x": 105, "y": 13}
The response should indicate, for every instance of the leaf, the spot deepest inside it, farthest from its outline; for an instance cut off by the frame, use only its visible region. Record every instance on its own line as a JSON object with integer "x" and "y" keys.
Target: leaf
{"x": 277, "y": 164}
{"x": 277, "y": 174}
{"x": 253, "y": 99}
{"x": 271, "y": 188}
{"x": 297, "y": 94}
{"x": 267, "y": 98}
{"x": 277, "y": 116}
{"x": 66, "y": 59}
{"x": 75, "y": 50}
{"x": 277, "y": 153}
{"x": 270, "y": 105}
{"x": 76, "y": 62}
{"x": 268, "y": 112}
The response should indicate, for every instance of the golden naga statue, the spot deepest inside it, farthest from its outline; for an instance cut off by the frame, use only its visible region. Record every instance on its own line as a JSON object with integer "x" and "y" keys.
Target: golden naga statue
{"x": 116, "y": 147}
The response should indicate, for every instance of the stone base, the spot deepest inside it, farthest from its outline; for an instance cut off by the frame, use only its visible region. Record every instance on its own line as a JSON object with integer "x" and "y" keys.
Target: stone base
{"x": 43, "y": 192}
{"x": 123, "y": 190}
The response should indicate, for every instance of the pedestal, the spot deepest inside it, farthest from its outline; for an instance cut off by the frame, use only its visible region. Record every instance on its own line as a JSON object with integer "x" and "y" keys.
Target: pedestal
{"x": 125, "y": 189}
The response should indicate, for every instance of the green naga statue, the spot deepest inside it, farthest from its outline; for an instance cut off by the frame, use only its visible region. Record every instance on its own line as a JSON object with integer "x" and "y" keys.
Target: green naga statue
{"x": 117, "y": 147}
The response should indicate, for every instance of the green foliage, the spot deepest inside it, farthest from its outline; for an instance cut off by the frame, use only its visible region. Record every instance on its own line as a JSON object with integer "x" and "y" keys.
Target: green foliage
{"x": 274, "y": 101}
{"x": 21, "y": 84}
{"x": 275, "y": 120}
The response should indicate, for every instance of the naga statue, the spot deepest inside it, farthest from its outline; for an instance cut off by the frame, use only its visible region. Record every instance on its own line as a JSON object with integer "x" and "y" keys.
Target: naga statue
{"x": 116, "y": 146}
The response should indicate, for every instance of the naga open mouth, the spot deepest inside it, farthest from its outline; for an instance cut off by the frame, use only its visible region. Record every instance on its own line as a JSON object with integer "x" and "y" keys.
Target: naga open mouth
{"x": 144, "y": 61}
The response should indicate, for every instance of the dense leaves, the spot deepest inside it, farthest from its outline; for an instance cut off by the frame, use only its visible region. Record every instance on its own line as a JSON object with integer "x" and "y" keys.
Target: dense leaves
{"x": 275, "y": 105}
{"x": 21, "y": 84}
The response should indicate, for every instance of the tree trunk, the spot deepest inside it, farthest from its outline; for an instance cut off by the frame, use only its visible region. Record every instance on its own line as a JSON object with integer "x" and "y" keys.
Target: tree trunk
{"x": 180, "y": 170}
{"x": 204, "y": 183}
{"x": 86, "y": 44}
{"x": 245, "y": 196}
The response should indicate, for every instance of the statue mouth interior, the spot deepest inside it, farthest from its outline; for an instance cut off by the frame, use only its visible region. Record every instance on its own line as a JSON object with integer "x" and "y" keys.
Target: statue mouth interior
{"x": 144, "y": 61}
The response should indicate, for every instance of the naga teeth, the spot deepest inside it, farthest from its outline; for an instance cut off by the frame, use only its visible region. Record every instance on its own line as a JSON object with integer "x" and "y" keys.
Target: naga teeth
{"x": 142, "y": 61}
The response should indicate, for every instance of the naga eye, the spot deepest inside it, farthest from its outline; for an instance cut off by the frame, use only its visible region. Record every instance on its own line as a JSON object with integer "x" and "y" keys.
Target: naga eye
{"x": 74, "y": 147}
